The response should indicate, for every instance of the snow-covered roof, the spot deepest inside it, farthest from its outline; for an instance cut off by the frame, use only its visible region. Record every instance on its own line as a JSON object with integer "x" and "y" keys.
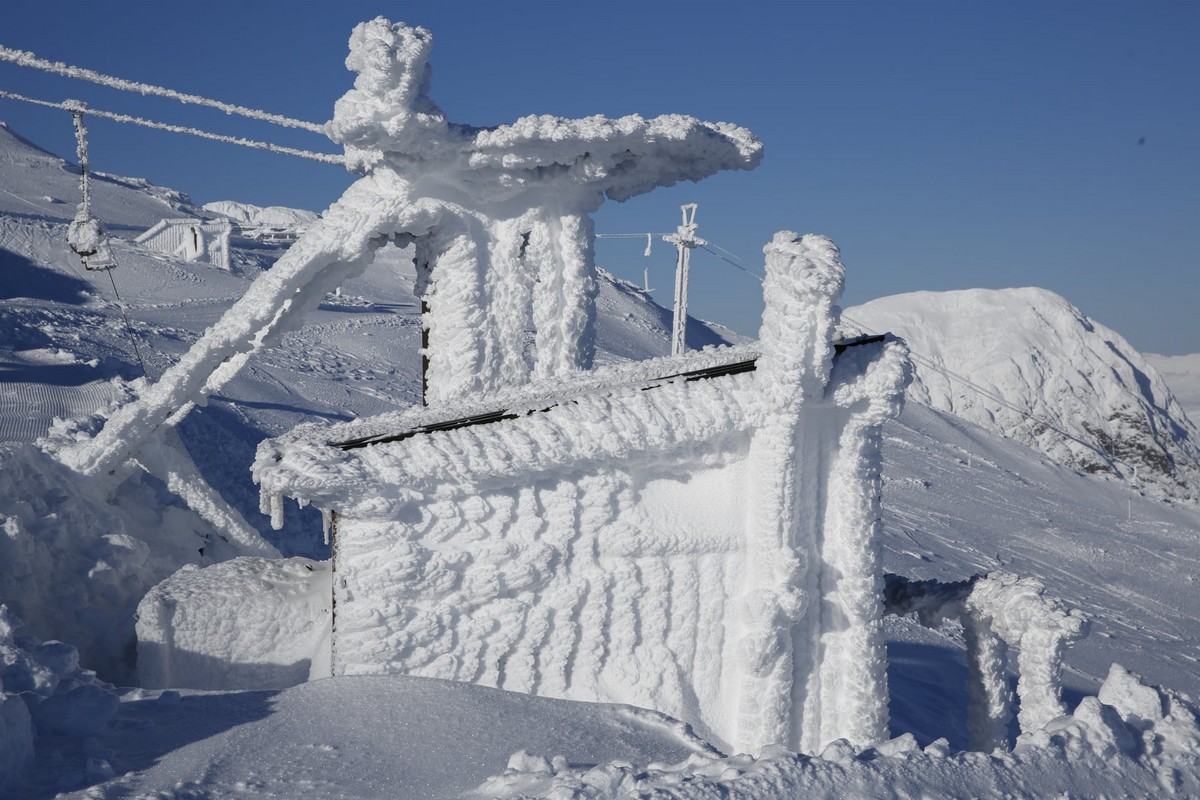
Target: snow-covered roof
{"x": 599, "y": 414}
{"x": 608, "y": 413}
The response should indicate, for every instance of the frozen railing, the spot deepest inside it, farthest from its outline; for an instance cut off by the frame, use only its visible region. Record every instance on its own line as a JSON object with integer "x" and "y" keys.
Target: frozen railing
{"x": 998, "y": 611}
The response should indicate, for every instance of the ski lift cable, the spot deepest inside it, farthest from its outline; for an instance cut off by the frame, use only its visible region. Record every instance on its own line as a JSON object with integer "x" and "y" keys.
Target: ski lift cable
{"x": 25, "y": 58}
{"x": 75, "y": 105}
{"x": 732, "y": 263}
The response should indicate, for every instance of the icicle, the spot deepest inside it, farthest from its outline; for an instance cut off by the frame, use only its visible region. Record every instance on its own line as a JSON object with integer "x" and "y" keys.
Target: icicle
{"x": 302, "y": 502}
{"x": 326, "y": 524}
{"x": 276, "y": 511}
{"x": 264, "y": 500}
{"x": 649, "y": 244}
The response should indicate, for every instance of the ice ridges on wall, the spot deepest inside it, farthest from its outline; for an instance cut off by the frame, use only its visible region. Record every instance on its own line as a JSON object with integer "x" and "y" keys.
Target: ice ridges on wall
{"x": 703, "y": 546}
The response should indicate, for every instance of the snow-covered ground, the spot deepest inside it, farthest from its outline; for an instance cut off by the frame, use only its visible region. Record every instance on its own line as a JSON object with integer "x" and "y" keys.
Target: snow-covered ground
{"x": 959, "y": 499}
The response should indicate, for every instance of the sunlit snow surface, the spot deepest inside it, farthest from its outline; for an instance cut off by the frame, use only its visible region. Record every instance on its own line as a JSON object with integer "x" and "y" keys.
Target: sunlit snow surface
{"x": 958, "y": 500}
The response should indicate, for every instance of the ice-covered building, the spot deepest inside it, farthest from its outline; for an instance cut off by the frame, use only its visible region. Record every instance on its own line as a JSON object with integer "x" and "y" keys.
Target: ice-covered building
{"x": 696, "y": 535}
{"x": 190, "y": 239}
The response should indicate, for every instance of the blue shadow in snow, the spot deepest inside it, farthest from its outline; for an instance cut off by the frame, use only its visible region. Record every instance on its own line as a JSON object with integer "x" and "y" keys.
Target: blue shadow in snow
{"x": 141, "y": 734}
{"x": 928, "y": 687}
{"x": 20, "y": 277}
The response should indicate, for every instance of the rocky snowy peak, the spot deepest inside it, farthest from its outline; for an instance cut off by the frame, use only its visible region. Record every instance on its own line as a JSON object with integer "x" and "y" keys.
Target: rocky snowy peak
{"x": 1028, "y": 364}
{"x": 39, "y": 185}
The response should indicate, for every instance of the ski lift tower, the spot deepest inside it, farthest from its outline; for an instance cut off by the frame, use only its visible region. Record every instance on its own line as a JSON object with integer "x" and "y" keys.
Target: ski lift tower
{"x": 684, "y": 239}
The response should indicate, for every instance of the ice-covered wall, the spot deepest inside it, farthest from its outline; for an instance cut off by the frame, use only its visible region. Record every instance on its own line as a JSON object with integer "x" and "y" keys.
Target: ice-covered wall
{"x": 190, "y": 240}
{"x": 247, "y": 623}
{"x": 661, "y": 542}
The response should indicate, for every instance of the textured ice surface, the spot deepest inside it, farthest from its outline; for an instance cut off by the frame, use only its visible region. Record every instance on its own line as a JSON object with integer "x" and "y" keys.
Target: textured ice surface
{"x": 623, "y": 536}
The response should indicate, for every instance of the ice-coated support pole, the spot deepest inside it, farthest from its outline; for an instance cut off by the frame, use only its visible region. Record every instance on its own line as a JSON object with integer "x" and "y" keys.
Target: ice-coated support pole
{"x": 684, "y": 239}
{"x": 1018, "y": 611}
{"x": 804, "y": 278}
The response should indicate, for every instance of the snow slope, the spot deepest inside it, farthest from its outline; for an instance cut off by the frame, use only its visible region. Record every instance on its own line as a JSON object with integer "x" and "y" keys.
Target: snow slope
{"x": 958, "y": 500}
{"x": 1030, "y": 366}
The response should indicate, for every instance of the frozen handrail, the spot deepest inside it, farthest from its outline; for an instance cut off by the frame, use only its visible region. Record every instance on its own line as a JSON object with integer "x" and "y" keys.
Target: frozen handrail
{"x": 998, "y": 611}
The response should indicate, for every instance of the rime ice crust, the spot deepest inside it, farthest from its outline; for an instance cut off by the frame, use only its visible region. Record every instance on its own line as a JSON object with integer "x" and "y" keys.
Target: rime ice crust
{"x": 492, "y": 212}
{"x": 626, "y": 537}
{"x": 388, "y": 119}
{"x": 250, "y": 622}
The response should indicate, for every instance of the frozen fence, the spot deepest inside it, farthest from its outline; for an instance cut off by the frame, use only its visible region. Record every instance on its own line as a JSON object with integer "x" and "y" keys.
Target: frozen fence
{"x": 999, "y": 611}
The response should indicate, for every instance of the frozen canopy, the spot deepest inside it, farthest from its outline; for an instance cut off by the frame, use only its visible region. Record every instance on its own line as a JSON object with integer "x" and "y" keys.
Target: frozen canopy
{"x": 389, "y": 119}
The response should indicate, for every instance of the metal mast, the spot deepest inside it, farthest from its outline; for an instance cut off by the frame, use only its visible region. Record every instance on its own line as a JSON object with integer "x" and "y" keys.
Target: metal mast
{"x": 684, "y": 239}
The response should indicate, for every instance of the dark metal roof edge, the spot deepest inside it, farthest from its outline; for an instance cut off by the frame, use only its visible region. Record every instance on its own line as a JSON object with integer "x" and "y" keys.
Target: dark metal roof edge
{"x": 498, "y": 415}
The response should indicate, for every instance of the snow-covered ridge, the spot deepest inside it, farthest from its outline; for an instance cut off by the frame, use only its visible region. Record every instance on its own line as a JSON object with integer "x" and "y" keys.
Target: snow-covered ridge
{"x": 1041, "y": 372}
{"x": 253, "y": 219}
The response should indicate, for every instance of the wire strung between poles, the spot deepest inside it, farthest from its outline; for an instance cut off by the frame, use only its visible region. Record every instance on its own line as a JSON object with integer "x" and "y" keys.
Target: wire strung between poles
{"x": 25, "y": 58}
{"x": 75, "y": 105}
{"x": 128, "y": 328}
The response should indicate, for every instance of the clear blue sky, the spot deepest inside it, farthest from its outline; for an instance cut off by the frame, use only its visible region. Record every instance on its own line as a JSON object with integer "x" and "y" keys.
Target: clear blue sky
{"x": 942, "y": 145}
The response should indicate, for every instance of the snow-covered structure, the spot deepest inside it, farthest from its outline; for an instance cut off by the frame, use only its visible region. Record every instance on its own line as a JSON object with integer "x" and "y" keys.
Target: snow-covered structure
{"x": 492, "y": 212}
{"x": 694, "y": 535}
{"x": 190, "y": 239}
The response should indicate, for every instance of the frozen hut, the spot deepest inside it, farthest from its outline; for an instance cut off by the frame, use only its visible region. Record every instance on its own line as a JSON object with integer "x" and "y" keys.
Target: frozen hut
{"x": 190, "y": 240}
{"x": 696, "y": 535}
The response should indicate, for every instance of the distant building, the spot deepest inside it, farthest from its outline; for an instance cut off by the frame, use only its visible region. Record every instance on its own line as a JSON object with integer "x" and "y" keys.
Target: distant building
{"x": 190, "y": 239}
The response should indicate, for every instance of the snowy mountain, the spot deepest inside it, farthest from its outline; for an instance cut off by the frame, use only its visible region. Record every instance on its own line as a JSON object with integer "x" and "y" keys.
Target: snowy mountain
{"x": 77, "y": 556}
{"x": 1030, "y": 366}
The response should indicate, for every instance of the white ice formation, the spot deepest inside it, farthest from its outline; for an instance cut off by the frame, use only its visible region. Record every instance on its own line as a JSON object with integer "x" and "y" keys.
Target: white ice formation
{"x": 492, "y": 212}
{"x": 249, "y": 622}
{"x": 694, "y": 535}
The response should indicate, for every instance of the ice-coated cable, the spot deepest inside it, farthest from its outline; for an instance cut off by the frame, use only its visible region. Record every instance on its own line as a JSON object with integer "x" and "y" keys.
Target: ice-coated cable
{"x": 73, "y": 106}
{"x": 25, "y": 58}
